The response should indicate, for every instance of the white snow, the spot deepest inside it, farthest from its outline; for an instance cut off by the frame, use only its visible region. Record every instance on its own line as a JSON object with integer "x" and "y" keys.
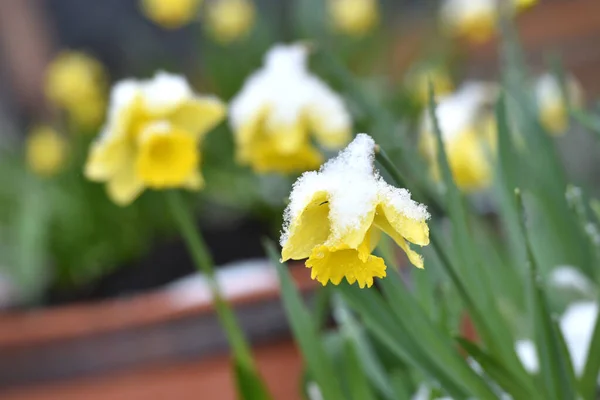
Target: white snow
{"x": 458, "y": 111}
{"x": 354, "y": 188}
{"x": 289, "y": 91}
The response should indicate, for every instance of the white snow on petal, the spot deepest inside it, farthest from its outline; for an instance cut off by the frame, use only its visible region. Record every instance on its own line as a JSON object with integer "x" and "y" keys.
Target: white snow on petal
{"x": 577, "y": 324}
{"x": 526, "y": 352}
{"x": 548, "y": 92}
{"x": 354, "y": 188}
{"x": 458, "y": 111}
{"x": 165, "y": 91}
{"x": 455, "y": 12}
{"x": 286, "y": 87}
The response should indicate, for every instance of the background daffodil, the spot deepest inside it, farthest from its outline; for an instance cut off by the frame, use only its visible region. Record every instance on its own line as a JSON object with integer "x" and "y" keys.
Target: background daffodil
{"x": 151, "y": 137}
{"x": 229, "y": 20}
{"x": 170, "y": 14}
{"x": 467, "y": 133}
{"x": 476, "y": 19}
{"x": 278, "y": 110}
{"x": 336, "y": 217}
{"x": 552, "y": 104}
{"x": 76, "y": 82}
{"x": 46, "y": 151}
{"x": 353, "y": 17}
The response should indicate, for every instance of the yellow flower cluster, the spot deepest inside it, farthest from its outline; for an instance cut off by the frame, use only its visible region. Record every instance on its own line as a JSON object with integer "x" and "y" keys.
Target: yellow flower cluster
{"x": 353, "y": 17}
{"x": 229, "y": 20}
{"x": 469, "y": 135}
{"x": 170, "y": 14}
{"x": 46, "y": 151}
{"x": 336, "y": 217}
{"x": 279, "y": 108}
{"x": 76, "y": 82}
{"x": 476, "y": 19}
{"x": 151, "y": 137}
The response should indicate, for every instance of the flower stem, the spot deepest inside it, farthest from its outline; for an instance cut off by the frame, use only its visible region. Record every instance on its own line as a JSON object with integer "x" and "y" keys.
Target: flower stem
{"x": 203, "y": 260}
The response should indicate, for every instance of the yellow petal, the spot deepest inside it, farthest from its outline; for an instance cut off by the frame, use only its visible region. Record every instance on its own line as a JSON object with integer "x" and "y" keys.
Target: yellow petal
{"x": 266, "y": 158}
{"x": 106, "y": 158}
{"x": 355, "y": 236}
{"x": 46, "y": 151}
{"x": 332, "y": 265}
{"x": 125, "y": 186}
{"x": 308, "y": 230}
{"x": 469, "y": 162}
{"x": 412, "y": 230}
{"x": 195, "y": 181}
{"x": 199, "y": 115}
{"x": 167, "y": 156}
{"x": 330, "y": 139}
{"x": 287, "y": 139}
{"x": 382, "y": 223}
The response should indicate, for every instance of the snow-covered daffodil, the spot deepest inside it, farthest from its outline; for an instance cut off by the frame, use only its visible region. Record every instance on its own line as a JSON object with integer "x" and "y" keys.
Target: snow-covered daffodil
{"x": 45, "y": 151}
{"x": 76, "y": 82}
{"x": 229, "y": 20}
{"x": 476, "y": 19}
{"x": 278, "y": 111}
{"x": 151, "y": 138}
{"x": 170, "y": 14}
{"x": 552, "y": 105}
{"x": 336, "y": 216}
{"x": 468, "y": 133}
{"x": 353, "y": 17}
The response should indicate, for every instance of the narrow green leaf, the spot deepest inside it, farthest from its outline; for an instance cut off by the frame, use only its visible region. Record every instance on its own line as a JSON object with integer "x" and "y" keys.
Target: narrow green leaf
{"x": 305, "y": 331}
{"x": 438, "y": 345}
{"x": 372, "y": 366}
{"x": 555, "y": 366}
{"x": 513, "y": 384}
{"x": 250, "y": 386}
{"x": 391, "y": 331}
{"x": 357, "y": 379}
{"x": 472, "y": 273}
{"x": 589, "y": 380}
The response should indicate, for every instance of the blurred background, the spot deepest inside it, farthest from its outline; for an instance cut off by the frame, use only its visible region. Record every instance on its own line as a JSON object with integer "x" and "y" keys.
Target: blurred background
{"x": 97, "y": 299}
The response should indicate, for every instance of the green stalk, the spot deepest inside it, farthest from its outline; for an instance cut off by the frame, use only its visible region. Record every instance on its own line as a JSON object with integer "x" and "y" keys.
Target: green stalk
{"x": 204, "y": 263}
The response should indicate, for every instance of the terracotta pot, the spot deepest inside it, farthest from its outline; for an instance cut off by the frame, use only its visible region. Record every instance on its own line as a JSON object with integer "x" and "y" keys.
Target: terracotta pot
{"x": 162, "y": 344}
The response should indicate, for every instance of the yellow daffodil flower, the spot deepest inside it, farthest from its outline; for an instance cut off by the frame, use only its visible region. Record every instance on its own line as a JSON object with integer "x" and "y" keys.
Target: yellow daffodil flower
{"x": 46, "y": 151}
{"x": 552, "y": 105}
{"x": 336, "y": 216}
{"x": 151, "y": 137}
{"x": 418, "y": 83}
{"x": 353, "y": 17}
{"x": 279, "y": 108}
{"x": 476, "y": 19}
{"x": 229, "y": 20}
{"x": 170, "y": 14}
{"x": 468, "y": 133}
{"x": 76, "y": 83}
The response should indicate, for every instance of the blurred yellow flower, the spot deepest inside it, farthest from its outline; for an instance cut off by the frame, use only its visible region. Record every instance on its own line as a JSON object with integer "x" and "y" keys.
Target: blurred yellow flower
{"x": 46, "y": 151}
{"x": 552, "y": 105}
{"x": 279, "y": 108}
{"x": 476, "y": 19}
{"x": 418, "y": 83}
{"x": 336, "y": 217}
{"x": 76, "y": 82}
{"x": 353, "y": 17}
{"x": 152, "y": 136}
{"x": 468, "y": 132}
{"x": 229, "y": 20}
{"x": 170, "y": 14}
